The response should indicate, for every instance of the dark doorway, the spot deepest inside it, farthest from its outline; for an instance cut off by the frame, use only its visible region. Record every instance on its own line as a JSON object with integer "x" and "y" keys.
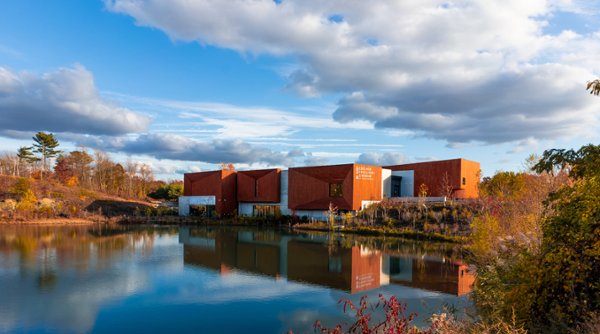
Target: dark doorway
{"x": 202, "y": 210}
{"x": 396, "y": 186}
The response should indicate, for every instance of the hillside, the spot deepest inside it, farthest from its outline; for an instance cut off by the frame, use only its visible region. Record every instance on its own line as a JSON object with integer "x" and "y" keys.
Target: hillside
{"x": 27, "y": 199}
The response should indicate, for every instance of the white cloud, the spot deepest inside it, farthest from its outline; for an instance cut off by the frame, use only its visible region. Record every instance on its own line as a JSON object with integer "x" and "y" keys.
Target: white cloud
{"x": 176, "y": 147}
{"x": 467, "y": 70}
{"x": 382, "y": 159}
{"x": 65, "y": 100}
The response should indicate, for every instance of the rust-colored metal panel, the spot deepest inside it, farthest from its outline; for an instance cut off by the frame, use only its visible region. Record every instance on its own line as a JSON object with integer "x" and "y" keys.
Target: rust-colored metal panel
{"x": 311, "y": 262}
{"x": 228, "y": 203}
{"x": 448, "y": 277}
{"x": 346, "y": 269}
{"x": 309, "y": 187}
{"x": 366, "y": 269}
{"x": 260, "y": 259}
{"x": 471, "y": 174}
{"x": 259, "y": 186}
{"x": 367, "y": 184}
{"x": 202, "y": 184}
{"x": 220, "y": 183}
{"x": 462, "y": 176}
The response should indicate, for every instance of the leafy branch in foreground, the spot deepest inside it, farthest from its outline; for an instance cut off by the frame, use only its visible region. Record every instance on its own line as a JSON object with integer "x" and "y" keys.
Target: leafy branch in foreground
{"x": 396, "y": 320}
{"x": 594, "y": 87}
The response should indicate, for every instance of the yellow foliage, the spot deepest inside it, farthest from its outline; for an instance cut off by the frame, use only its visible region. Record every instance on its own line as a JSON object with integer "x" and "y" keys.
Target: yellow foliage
{"x": 486, "y": 230}
{"x": 72, "y": 181}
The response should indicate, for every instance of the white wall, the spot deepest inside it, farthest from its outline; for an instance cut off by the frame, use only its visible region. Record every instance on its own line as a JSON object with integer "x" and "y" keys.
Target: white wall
{"x": 285, "y": 210}
{"x": 386, "y": 183}
{"x": 407, "y": 186}
{"x": 246, "y": 209}
{"x": 186, "y": 201}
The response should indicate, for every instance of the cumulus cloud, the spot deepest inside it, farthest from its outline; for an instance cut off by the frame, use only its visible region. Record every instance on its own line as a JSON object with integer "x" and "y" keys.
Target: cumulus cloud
{"x": 314, "y": 160}
{"x": 65, "y": 100}
{"x": 176, "y": 147}
{"x": 460, "y": 71}
{"x": 382, "y": 159}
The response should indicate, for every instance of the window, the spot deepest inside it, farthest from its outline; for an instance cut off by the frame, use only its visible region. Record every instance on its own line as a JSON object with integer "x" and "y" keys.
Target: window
{"x": 335, "y": 190}
{"x": 266, "y": 210}
{"x": 464, "y": 181}
{"x": 335, "y": 264}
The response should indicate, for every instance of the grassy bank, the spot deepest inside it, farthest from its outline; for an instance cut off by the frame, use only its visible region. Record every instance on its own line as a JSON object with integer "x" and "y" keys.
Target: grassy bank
{"x": 382, "y": 231}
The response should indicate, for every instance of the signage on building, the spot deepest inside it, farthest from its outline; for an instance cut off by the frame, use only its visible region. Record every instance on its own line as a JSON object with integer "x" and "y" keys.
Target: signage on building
{"x": 364, "y": 281}
{"x": 364, "y": 173}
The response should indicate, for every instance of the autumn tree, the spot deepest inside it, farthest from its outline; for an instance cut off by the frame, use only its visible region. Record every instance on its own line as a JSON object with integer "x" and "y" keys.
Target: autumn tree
{"x": 569, "y": 289}
{"x": 74, "y": 168}
{"x": 45, "y": 144}
{"x": 594, "y": 87}
{"x": 79, "y": 162}
{"x": 62, "y": 170}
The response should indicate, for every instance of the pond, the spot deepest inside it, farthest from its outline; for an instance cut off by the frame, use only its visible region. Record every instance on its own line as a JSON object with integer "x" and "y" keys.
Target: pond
{"x": 213, "y": 280}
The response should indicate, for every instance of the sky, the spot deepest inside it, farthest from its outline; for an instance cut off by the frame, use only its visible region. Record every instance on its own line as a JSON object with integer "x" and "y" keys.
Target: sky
{"x": 183, "y": 85}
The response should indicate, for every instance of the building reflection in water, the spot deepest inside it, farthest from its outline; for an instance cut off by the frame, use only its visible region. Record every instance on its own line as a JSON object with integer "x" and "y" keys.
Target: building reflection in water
{"x": 321, "y": 261}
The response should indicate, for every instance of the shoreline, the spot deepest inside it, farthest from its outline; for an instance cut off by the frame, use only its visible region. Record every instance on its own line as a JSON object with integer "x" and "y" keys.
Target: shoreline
{"x": 178, "y": 221}
{"x": 385, "y": 232}
{"x": 52, "y": 221}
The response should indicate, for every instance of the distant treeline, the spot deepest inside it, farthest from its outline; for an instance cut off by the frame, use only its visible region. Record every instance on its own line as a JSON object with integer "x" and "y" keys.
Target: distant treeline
{"x": 94, "y": 171}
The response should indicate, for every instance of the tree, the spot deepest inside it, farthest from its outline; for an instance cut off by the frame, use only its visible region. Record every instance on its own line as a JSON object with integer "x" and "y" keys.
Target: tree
{"x": 578, "y": 164}
{"x": 594, "y": 87}
{"x": 62, "y": 170}
{"x": 227, "y": 166}
{"x": 24, "y": 154}
{"x": 46, "y": 145}
{"x": 79, "y": 162}
{"x": 73, "y": 168}
{"x": 568, "y": 288}
{"x": 170, "y": 191}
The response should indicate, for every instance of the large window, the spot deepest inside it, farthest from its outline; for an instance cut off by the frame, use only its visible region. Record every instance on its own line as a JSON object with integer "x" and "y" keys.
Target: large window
{"x": 267, "y": 211}
{"x": 335, "y": 190}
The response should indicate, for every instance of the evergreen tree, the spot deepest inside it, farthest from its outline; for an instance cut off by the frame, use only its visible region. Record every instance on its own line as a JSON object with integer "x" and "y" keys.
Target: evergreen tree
{"x": 46, "y": 145}
{"x": 24, "y": 154}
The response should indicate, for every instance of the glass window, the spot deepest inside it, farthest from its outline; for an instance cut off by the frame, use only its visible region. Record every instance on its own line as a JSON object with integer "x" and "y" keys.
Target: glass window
{"x": 464, "y": 181}
{"x": 267, "y": 210}
{"x": 335, "y": 264}
{"x": 335, "y": 190}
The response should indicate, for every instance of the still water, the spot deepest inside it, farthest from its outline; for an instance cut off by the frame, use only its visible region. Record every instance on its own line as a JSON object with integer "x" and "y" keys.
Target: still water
{"x": 213, "y": 280}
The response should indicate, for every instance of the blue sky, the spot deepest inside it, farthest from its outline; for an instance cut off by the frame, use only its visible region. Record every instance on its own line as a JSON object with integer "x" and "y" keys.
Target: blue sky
{"x": 184, "y": 85}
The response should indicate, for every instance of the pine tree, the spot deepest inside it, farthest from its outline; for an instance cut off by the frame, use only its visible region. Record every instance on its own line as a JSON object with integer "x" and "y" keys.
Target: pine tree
{"x": 24, "y": 154}
{"x": 46, "y": 145}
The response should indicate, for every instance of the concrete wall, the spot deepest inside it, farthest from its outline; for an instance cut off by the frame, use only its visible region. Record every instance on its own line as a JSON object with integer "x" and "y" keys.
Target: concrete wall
{"x": 186, "y": 201}
{"x": 407, "y": 186}
{"x": 386, "y": 183}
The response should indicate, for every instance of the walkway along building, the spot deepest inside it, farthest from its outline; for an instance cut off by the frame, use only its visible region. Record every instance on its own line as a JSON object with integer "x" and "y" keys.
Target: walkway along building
{"x": 311, "y": 191}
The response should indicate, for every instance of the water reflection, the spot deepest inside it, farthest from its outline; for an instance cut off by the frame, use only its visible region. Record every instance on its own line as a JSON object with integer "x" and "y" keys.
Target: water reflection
{"x": 324, "y": 260}
{"x": 105, "y": 280}
{"x": 58, "y": 278}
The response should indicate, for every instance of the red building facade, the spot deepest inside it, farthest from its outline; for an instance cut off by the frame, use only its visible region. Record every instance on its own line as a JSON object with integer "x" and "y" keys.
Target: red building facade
{"x": 343, "y": 186}
{"x": 459, "y": 177}
{"x": 259, "y": 186}
{"x": 222, "y": 184}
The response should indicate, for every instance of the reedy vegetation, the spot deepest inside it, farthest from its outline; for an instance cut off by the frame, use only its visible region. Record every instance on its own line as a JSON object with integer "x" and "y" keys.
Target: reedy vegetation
{"x": 537, "y": 247}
